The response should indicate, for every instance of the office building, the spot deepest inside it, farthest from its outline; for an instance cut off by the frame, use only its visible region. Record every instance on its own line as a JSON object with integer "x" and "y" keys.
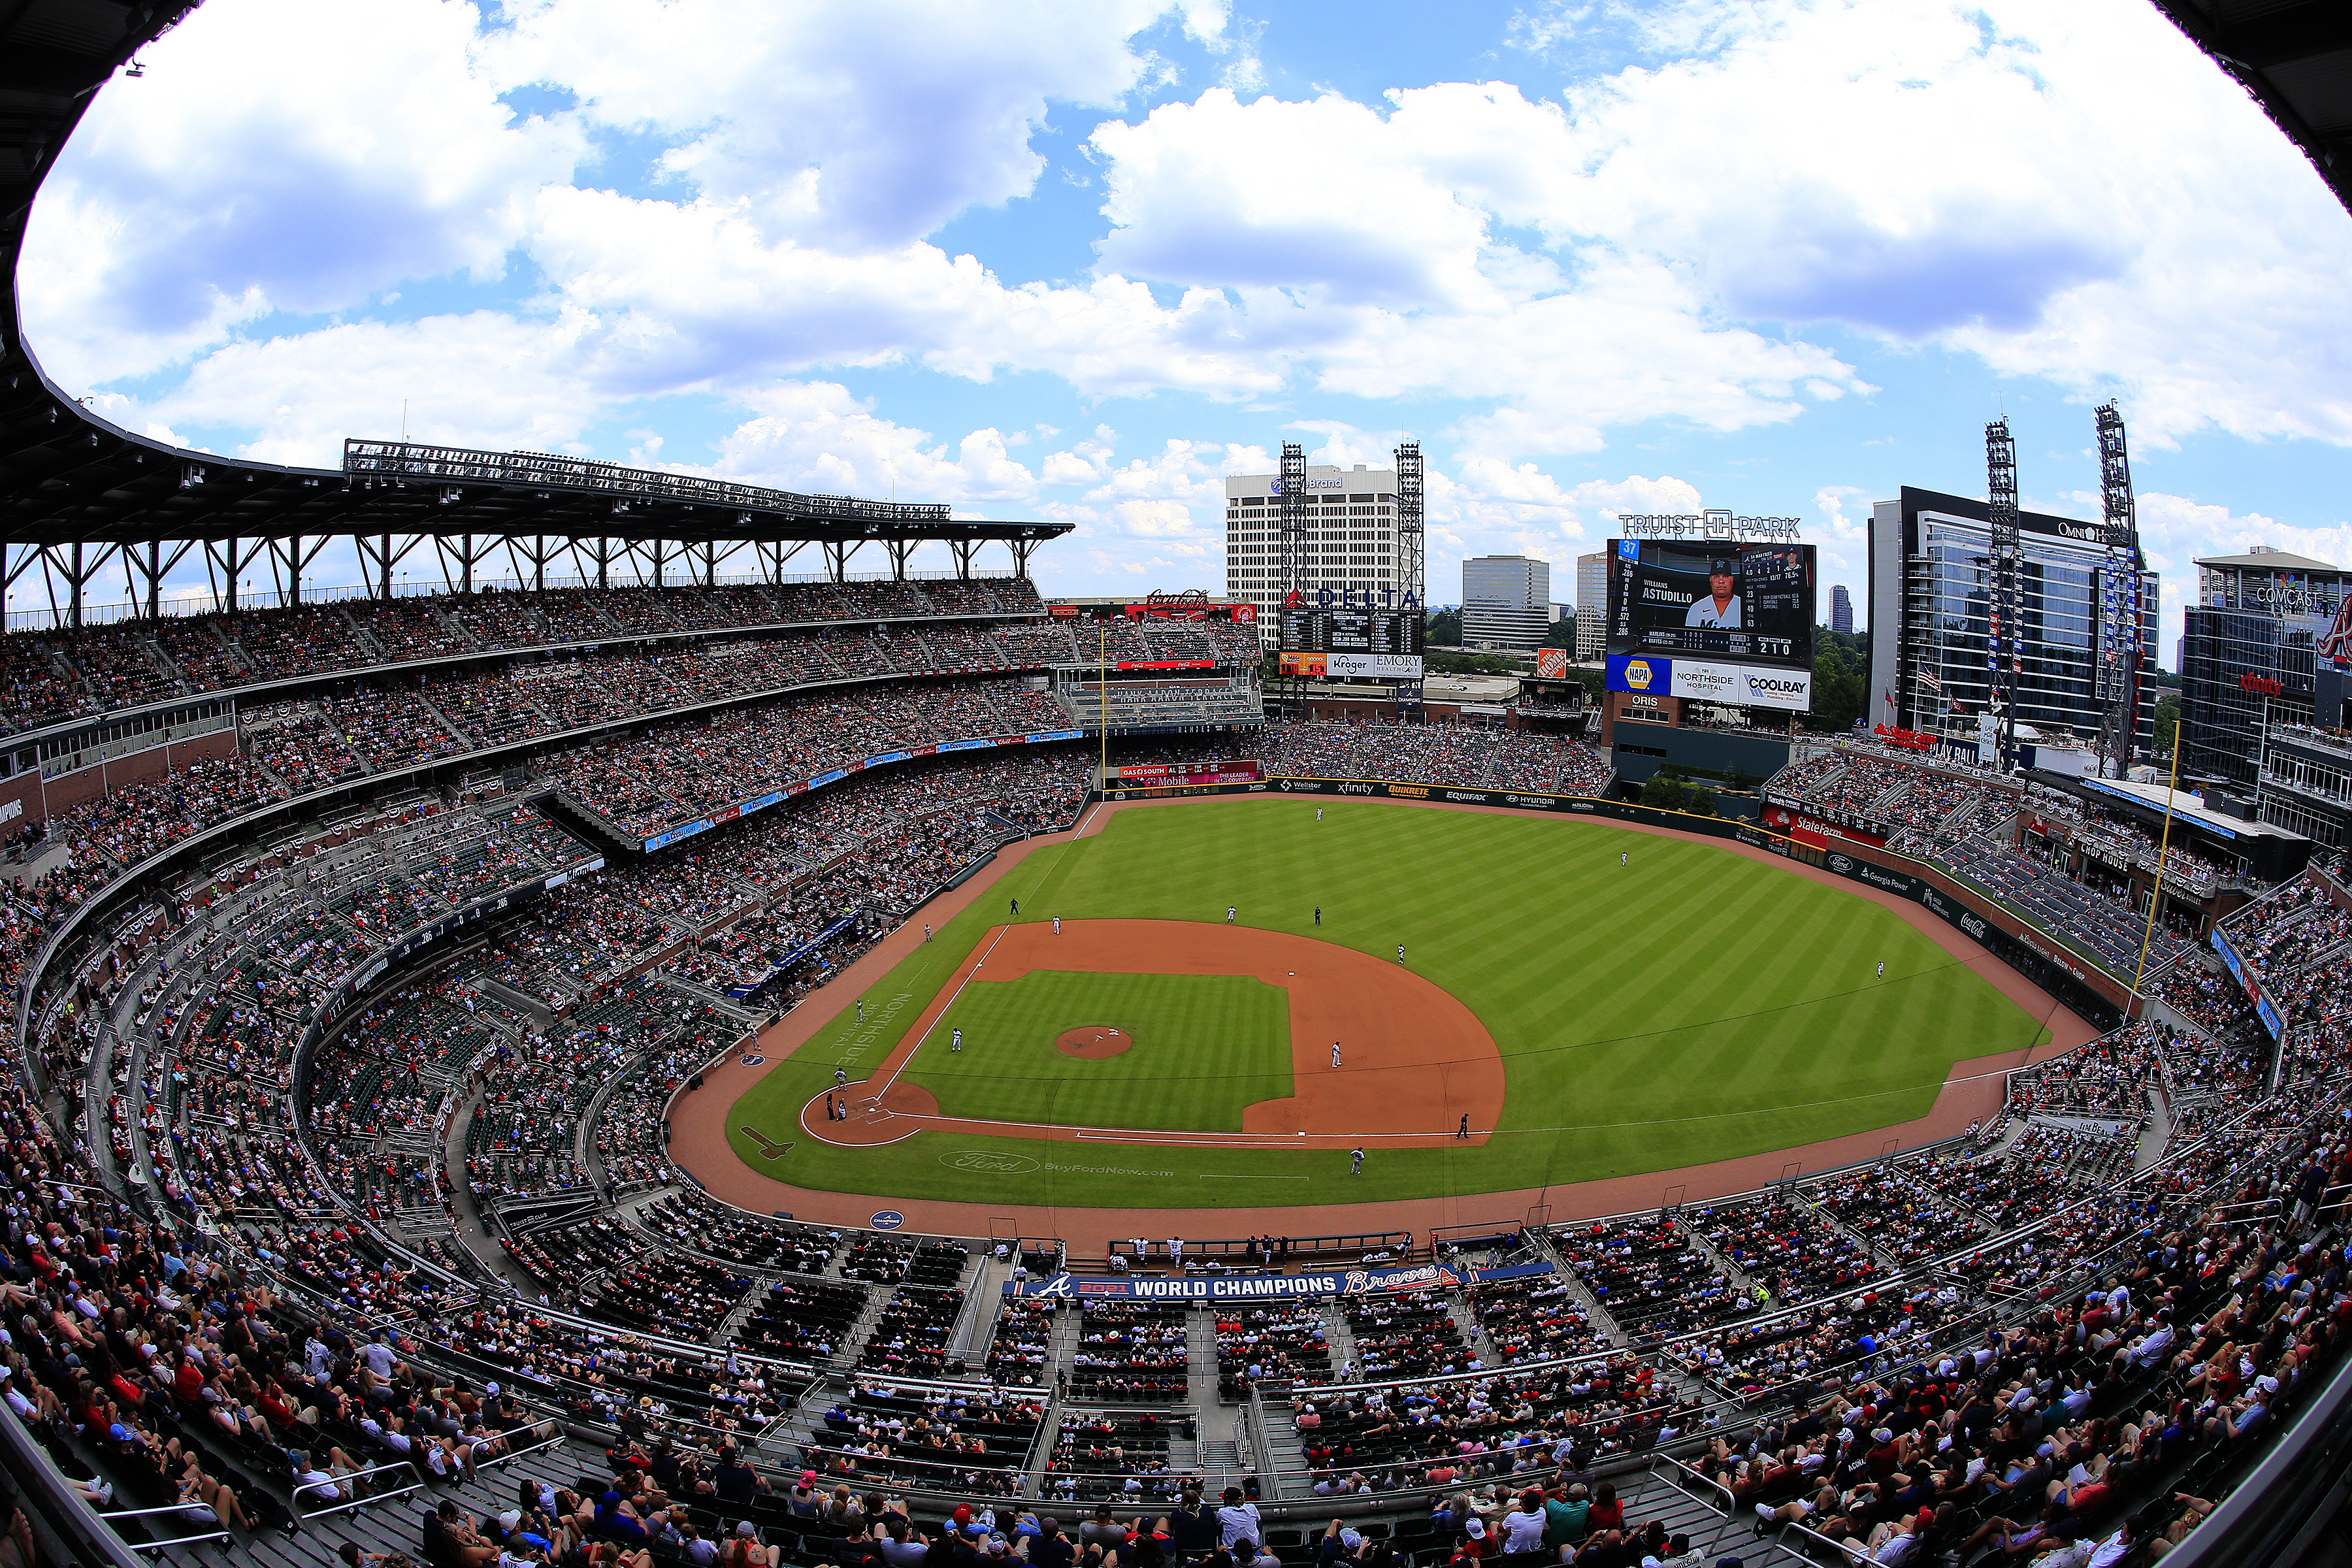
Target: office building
{"x": 1505, "y": 601}
{"x": 1351, "y": 543}
{"x": 2248, "y": 651}
{"x": 1840, "y": 609}
{"x": 1592, "y": 603}
{"x": 1930, "y": 602}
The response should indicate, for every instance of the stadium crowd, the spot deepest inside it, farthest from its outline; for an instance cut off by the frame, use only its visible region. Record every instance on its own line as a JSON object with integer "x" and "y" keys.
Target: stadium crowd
{"x": 286, "y": 1304}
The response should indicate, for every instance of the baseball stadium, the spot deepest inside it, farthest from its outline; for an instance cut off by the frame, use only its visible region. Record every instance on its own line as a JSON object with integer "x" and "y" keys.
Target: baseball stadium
{"x": 696, "y": 1040}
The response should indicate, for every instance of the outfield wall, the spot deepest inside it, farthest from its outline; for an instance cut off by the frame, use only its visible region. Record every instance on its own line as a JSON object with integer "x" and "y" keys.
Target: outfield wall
{"x": 2050, "y": 960}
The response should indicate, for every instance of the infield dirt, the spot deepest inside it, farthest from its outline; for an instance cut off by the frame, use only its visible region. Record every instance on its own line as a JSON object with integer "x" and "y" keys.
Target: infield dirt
{"x": 1416, "y": 1059}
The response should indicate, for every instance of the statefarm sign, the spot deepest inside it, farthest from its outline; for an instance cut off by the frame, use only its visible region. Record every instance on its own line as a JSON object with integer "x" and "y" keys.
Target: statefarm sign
{"x": 1263, "y": 1287}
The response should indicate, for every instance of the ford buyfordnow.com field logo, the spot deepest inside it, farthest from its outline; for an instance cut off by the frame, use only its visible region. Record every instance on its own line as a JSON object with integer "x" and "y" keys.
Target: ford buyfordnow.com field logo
{"x": 988, "y": 1160}
{"x": 1842, "y": 864}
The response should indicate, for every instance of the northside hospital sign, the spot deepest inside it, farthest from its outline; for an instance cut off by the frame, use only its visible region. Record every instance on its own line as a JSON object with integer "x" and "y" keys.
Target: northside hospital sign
{"x": 1262, "y": 1286}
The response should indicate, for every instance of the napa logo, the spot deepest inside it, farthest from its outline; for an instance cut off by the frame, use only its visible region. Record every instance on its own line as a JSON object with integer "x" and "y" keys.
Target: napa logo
{"x": 1637, "y": 674}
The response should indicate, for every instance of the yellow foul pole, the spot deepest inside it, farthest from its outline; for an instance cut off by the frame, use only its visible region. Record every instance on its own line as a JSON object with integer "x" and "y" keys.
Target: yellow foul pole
{"x": 2164, "y": 845}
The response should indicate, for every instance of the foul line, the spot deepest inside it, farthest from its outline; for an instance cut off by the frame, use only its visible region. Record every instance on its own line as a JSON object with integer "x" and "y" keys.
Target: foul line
{"x": 1002, "y": 931}
{"x": 1149, "y": 1138}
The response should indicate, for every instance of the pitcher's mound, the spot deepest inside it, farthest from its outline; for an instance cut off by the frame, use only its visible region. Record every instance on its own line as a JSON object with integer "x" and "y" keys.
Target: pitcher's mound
{"x": 1093, "y": 1040}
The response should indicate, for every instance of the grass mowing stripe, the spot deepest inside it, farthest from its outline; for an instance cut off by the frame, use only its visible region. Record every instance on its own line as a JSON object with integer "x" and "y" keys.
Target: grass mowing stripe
{"x": 1718, "y": 1005}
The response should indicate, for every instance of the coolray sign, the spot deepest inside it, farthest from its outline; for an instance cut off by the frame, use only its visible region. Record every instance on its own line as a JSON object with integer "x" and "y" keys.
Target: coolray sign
{"x": 1744, "y": 684}
{"x": 1703, "y": 680}
{"x": 761, "y": 803}
{"x": 1265, "y": 1286}
{"x": 1374, "y": 666}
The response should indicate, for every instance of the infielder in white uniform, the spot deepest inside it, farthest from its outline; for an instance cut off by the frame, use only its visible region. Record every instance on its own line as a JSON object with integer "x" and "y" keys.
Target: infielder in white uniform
{"x": 1335, "y": 1053}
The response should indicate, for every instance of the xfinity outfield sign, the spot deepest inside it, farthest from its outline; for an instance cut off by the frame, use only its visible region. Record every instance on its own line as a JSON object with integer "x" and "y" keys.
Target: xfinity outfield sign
{"x": 1743, "y": 684}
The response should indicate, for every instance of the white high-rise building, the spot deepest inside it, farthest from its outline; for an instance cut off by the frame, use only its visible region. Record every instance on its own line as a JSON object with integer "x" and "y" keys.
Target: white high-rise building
{"x": 1505, "y": 601}
{"x": 1591, "y": 604}
{"x": 1351, "y": 541}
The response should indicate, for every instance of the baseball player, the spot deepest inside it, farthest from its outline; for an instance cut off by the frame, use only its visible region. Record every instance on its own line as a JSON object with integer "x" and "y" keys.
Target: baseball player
{"x": 1335, "y": 1053}
{"x": 1356, "y": 1163}
{"x": 1319, "y": 814}
{"x": 1058, "y": 925}
{"x": 1400, "y": 953}
{"x": 1229, "y": 914}
{"x": 1882, "y": 969}
{"x": 841, "y": 1078}
{"x": 1621, "y": 860}
{"x": 955, "y": 1042}
{"x": 1720, "y": 610}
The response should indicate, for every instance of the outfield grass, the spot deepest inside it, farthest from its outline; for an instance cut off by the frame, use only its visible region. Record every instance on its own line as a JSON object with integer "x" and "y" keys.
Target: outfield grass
{"x": 1692, "y": 1006}
{"x": 1225, "y": 1036}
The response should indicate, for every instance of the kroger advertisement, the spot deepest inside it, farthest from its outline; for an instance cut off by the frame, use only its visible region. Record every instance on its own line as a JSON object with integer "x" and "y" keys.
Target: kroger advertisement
{"x": 1745, "y": 685}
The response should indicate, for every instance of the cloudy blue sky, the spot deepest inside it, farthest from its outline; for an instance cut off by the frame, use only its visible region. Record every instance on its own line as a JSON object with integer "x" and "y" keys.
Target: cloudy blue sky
{"x": 1079, "y": 259}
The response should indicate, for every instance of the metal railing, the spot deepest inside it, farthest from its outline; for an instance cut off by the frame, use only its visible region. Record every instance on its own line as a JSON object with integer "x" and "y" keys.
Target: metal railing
{"x": 358, "y": 1499}
{"x": 545, "y": 470}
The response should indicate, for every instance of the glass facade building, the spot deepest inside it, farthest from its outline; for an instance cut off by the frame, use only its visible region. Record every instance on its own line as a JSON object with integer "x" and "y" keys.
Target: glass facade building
{"x": 1930, "y": 605}
{"x": 1505, "y": 601}
{"x": 2257, "y": 624}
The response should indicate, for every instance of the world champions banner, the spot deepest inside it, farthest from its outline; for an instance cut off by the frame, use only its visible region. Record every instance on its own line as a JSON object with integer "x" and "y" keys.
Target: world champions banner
{"x": 1269, "y": 1287}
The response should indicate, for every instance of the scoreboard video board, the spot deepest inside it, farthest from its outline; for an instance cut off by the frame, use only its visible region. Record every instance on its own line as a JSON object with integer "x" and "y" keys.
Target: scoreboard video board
{"x": 1713, "y": 598}
{"x": 1393, "y": 633}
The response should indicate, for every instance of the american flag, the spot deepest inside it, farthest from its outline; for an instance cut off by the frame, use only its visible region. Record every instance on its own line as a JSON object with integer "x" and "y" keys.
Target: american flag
{"x": 1928, "y": 678}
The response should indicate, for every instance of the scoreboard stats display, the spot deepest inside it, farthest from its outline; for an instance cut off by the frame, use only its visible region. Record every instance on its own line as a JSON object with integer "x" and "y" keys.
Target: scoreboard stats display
{"x": 1719, "y": 598}
{"x": 1391, "y": 632}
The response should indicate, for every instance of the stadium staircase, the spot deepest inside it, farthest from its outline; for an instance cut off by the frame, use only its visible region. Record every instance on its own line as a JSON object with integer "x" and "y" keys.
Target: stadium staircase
{"x": 1337, "y": 1335}
{"x": 1286, "y": 1455}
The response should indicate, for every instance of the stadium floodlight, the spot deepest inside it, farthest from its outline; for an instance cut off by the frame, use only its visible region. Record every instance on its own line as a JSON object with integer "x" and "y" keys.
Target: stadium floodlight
{"x": 191, "y": 475}
{"x": 451, "y": 495}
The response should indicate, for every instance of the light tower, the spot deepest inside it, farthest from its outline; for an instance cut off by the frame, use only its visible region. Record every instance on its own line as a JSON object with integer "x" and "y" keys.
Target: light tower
{"x": 2003, "y": 646}
{"x": 2117, "y": 688}
{"x": 1294, "y": 514}
{"x": 1408, "y": 533}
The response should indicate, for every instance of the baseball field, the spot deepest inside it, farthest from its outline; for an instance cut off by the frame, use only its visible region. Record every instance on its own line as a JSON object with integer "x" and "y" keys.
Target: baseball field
{"x": 1557, "y": 1016}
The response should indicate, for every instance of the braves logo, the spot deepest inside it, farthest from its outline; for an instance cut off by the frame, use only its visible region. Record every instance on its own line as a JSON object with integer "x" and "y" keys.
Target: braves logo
{"x": 2338, "y": 644}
